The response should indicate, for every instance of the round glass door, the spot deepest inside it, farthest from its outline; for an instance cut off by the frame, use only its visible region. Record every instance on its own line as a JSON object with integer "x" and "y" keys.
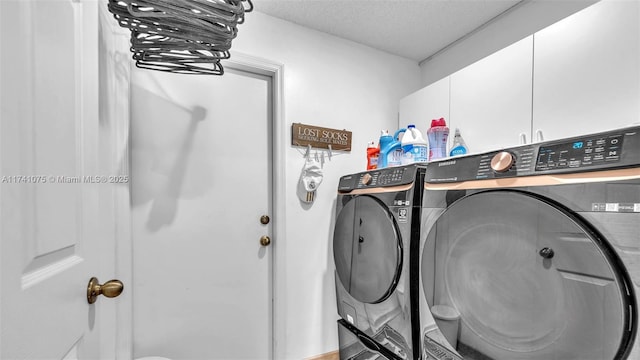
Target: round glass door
{"x": 367, "y": 249}
{"x": 529, "y": 279}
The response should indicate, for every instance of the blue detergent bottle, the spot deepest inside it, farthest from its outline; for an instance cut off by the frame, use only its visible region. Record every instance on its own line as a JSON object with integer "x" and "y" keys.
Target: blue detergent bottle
{"x": 390, "y": 149}
{"x": 459, "y": 147}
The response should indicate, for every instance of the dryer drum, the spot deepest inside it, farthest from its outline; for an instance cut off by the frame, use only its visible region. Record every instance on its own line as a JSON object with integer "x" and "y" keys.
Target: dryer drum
{"x": 530, "y": 279}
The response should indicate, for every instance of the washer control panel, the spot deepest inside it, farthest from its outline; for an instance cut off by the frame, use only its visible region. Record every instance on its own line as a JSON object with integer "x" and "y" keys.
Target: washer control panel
{"x": 607, "y": 150}
{"x": 387, "y": 177}
{"x": 581, "y": 152}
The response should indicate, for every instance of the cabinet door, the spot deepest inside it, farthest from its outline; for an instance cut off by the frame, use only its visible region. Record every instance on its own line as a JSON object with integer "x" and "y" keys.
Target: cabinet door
{"x": 431, "y": 102}
{"x": 491, "y": 99}
{"x": 587, "y": 73}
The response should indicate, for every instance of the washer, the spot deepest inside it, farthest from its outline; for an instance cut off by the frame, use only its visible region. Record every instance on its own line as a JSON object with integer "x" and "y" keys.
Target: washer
{"x": 375, "y": 247}
{"x": 535, "y": 250}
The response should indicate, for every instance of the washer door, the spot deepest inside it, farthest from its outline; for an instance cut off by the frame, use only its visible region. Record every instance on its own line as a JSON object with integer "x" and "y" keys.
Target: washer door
{"x": 529, "y": 279}
{"x": 367, "y": 249}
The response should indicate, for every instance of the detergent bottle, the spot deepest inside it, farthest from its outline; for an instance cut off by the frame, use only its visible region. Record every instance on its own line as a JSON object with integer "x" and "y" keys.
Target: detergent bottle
{"x": 458, "y": 147}
{"x": 372, "y": 156}
{"x": 414, "y": 146}
{"x": 385, "y": 140}
{"x": 438, "y": 135}
{"x": 390, "y": 150}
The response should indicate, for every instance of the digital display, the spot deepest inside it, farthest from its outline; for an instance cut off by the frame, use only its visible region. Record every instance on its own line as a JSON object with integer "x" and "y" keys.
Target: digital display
{"x": 577, "y": 154}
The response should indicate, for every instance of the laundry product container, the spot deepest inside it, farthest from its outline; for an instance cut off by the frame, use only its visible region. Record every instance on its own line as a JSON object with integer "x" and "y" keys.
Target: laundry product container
{"x": 448, "y": 320}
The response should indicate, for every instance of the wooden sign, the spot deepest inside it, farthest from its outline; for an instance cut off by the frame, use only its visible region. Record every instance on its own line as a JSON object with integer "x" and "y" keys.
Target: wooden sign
{"x": 319, "y": 137}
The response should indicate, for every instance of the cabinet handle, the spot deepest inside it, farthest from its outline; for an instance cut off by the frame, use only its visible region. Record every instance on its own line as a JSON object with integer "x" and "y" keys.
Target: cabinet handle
{"x": 523, "y": 138}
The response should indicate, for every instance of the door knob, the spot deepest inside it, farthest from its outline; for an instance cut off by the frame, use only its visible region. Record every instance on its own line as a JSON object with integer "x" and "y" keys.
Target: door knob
{"x": 546, "y": 253}
{"x": 265, "y": 240}
{"x": 110, "y": 289}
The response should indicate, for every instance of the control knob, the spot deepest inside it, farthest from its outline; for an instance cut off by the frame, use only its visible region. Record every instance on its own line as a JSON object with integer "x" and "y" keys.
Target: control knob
{"x": 502, "y": 161}
{"x": 366, "y": 179}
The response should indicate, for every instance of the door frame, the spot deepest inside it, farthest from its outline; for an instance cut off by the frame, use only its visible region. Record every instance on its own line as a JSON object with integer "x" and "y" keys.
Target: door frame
{"x": 124, "y": 243}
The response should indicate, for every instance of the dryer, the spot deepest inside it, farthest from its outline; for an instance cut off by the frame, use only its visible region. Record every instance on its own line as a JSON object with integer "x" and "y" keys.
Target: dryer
{"x": 535, "y": 250}
{"x": 375, "y": 246}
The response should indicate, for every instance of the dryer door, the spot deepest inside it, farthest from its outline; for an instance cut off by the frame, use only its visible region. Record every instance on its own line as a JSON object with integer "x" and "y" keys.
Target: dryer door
{"x": 529, "y": 279}
{"x": 367, "y": 249}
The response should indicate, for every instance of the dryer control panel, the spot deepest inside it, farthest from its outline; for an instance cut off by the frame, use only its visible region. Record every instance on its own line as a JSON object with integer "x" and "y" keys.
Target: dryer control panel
{"x": 606, "y": 150}
{"x": 387, "y": 177}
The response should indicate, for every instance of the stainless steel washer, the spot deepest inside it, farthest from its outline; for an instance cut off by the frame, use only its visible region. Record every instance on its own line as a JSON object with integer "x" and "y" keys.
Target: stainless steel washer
{"x": 375, "y": 243}
{"x": 537, "y": 249}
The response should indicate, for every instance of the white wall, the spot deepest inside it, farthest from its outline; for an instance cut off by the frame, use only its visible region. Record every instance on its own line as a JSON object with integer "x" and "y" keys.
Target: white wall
{"x": 332, "y": 83}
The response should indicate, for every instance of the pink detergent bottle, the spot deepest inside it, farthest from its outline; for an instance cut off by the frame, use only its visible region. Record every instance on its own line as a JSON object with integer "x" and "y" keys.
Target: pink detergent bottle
{"x": 438, "y": 135}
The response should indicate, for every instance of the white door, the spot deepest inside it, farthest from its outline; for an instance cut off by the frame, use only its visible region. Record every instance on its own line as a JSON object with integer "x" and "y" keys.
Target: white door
{"x": 201, "y": 180}
{"x": 58, "y": 184}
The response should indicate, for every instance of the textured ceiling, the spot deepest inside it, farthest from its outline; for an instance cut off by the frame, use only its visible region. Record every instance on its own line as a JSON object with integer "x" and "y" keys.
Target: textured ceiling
{"x": 414, "y": 29}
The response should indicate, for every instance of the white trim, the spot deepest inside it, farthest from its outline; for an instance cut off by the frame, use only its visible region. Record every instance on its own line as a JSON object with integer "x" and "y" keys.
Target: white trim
{"x": 275, "y": 71}
{"x": 117, "y": 40}
{"x": 124, "y": 238}
{"x": 2, "y": 284}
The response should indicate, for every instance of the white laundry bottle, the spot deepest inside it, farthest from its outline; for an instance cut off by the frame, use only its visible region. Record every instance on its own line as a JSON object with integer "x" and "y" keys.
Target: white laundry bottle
{"x": 414, "y": 146}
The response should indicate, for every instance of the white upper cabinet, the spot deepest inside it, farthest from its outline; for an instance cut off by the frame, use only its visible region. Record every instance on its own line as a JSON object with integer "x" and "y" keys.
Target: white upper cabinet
{"x": 491, "y": 99}
{"x": 419, "y": 108}
{"x": 587, "y": 71}
{"x": 578, "y": 76}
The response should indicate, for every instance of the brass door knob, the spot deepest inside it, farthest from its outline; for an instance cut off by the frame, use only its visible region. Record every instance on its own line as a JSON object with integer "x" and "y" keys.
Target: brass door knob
{"x": 265, "y": 240}
{"x": 110, "y": 289}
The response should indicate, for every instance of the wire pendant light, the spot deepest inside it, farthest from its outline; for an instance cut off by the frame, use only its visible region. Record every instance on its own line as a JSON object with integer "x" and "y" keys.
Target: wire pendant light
{"x": 181, "y": 36}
